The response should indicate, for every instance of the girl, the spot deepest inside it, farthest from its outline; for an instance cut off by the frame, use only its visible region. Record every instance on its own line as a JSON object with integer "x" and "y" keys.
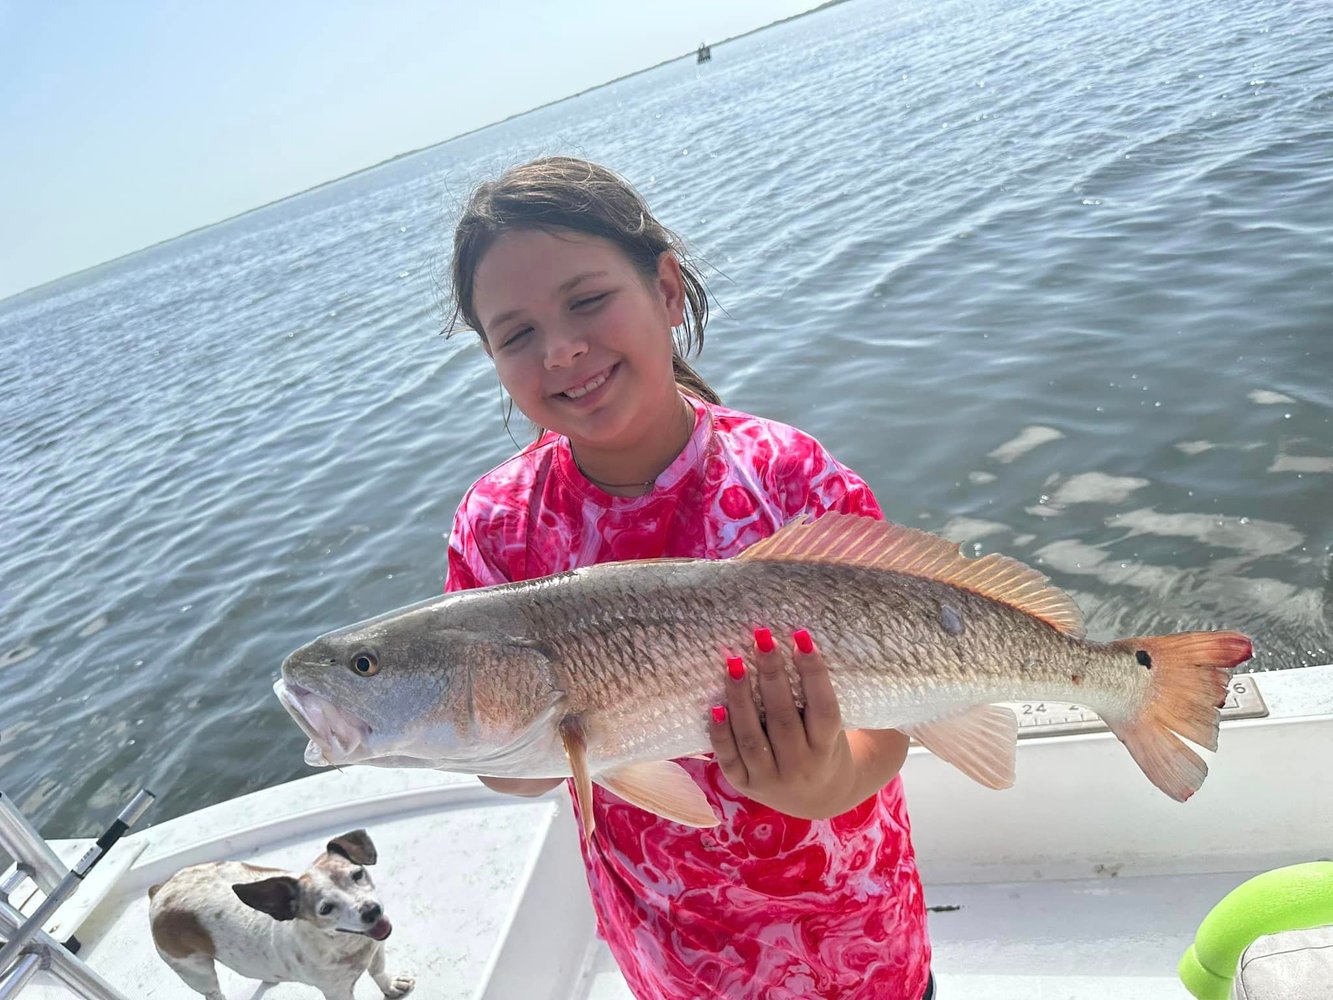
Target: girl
{"x": 808, "y": 888}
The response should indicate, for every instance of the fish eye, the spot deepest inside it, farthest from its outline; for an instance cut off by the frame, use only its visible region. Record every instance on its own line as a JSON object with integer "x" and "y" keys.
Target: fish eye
{"x": 326, "y": 909}
{"x": 358, "y": 875}
{"x": 366, "y": 663}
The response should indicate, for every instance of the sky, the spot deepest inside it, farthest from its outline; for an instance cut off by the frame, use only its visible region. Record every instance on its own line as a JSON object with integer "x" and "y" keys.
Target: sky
{"x": 126, "y": 123}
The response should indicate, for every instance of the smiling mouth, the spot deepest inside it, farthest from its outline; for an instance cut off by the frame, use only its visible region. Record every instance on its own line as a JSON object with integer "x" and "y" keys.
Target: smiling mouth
{"x": 596, "y": 382}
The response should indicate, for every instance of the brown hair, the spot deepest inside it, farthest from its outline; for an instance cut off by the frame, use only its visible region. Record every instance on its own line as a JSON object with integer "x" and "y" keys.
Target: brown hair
{"x": 563, "y": 193}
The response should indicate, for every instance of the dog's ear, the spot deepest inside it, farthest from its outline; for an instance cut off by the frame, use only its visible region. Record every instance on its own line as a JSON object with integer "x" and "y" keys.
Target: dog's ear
{"x": 356, "y": 846}
{"x": 278, "y": 896}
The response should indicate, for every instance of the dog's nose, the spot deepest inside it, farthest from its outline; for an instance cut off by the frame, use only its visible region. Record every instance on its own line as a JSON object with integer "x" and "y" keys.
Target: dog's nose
{"x": 371, "y": 912}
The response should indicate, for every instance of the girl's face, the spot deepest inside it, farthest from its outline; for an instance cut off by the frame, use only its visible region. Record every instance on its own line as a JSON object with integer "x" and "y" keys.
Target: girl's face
{"x": 580, "y": 338}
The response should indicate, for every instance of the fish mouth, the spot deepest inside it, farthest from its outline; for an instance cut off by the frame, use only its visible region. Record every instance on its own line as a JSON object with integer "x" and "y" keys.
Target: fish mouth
{"x": 335, "y": 735}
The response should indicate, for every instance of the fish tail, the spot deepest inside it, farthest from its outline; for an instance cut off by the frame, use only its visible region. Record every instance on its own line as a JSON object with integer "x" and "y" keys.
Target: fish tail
{"x": 1189, "y": 673}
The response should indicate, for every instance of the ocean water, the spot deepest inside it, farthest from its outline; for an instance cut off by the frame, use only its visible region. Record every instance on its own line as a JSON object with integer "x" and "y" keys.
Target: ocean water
{"x": 1056, "y": 278}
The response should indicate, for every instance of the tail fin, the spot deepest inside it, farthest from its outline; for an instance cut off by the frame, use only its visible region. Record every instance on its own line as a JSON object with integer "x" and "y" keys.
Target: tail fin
{"x": 1189, "y": 676}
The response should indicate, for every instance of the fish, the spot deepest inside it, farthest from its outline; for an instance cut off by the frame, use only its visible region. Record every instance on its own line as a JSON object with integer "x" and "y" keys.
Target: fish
{"x": 607, "y": 673}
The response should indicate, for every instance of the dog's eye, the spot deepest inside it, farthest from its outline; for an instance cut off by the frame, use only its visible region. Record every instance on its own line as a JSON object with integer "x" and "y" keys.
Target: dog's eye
{"x": 366, "y": 663}
{"x": 358, "y": 875}
{"x": 326, "y": 909}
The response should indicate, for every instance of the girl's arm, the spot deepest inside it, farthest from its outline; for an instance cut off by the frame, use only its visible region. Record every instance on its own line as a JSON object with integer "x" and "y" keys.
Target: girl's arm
{"x": 877, "y": 757}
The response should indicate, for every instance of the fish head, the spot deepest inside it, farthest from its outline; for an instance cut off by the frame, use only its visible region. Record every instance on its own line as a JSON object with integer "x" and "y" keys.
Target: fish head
{"x": 415, "y": 688}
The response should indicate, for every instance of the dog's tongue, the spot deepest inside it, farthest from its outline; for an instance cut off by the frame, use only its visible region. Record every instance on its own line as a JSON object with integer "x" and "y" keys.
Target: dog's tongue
{"x": 381, "y": 930}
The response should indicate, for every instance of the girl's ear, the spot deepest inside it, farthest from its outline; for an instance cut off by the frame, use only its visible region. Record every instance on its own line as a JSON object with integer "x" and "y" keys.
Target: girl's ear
{"x": 671, "y": 286}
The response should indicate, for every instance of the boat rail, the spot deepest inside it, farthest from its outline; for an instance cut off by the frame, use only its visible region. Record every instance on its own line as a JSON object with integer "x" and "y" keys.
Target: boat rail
{"x": 28, "y": 948}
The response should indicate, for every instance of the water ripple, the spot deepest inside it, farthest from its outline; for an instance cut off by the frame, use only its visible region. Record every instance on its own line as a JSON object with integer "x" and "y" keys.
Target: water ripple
{"x": 1052, "y": 277}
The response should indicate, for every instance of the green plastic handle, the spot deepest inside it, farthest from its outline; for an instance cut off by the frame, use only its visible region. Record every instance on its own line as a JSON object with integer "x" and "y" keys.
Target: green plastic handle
{"x": 1285, "y": 899}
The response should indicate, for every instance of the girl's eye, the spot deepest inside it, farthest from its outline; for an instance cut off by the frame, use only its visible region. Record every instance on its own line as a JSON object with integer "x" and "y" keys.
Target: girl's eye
{"x": 590, "y": 301}
{"x": 516, "y": 337}
{"x": 358, "y": 875}
{"x": 326, "y": 909}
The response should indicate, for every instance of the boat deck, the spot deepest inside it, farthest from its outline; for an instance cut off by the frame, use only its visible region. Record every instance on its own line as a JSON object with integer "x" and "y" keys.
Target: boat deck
{"x": 1069, "y": 938}
{"x": 1081, "y": 882}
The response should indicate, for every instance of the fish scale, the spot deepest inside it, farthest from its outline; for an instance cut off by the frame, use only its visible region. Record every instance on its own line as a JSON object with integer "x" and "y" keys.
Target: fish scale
{"x": 608, "y": 672}
{"x": 891, "y": 658}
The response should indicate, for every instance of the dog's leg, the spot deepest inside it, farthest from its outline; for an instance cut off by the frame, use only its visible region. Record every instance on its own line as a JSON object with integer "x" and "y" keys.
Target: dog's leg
{"x": 199, "y": 974}
{"x": 390, "y": 986}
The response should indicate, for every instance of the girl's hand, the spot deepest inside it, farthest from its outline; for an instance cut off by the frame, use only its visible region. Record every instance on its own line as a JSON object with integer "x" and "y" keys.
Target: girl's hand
{"x": 803, "y": 766}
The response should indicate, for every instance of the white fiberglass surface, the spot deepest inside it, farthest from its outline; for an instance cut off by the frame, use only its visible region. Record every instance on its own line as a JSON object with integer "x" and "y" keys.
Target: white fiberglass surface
{"x": 449, "y": 906}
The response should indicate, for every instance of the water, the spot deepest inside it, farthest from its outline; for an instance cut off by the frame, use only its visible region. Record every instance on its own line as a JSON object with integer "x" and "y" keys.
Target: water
{"x": 1055, "y": 278}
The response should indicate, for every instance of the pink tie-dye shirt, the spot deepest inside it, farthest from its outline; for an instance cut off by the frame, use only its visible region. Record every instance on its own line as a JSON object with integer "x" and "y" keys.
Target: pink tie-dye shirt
{"x": 764, "y": 905}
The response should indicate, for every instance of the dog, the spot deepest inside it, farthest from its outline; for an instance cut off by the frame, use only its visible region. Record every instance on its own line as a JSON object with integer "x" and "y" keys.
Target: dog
{"x": 324, "y": 927}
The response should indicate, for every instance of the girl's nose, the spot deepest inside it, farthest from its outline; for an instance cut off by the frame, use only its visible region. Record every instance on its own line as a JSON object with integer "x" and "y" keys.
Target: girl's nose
{"x": 563, "y": 348}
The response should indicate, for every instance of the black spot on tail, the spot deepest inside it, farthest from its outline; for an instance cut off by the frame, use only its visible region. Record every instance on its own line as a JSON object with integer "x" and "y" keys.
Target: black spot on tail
{"x": 1144, "y": 659}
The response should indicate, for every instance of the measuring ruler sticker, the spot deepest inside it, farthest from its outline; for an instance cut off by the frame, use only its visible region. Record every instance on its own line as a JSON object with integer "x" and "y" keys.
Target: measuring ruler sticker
{"x": 1058, "y": 718}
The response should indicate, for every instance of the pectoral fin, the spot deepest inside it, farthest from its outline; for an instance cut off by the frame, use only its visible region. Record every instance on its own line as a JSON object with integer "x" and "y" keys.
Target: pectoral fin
{"x": 576, "y": 749}
{"x": 980, "y": 742}
{"x": 661, "y": 787}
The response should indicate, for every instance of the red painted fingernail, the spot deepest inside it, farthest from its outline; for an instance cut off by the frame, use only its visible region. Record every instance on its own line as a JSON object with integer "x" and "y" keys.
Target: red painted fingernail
{"x": 803, "y": 641}
{"x": 719, "y": 714}
{"x": 736, "y": 668}
{"x": 763, "y": 640}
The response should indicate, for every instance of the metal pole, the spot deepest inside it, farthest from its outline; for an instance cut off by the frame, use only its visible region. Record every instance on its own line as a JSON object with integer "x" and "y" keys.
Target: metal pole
{"x": 81, "y": 980}
{"x": 12, "y": 985}
{"x": 30, "y": 851}
{"x": 137, "y": 807}
{"x": 16, "y": 879}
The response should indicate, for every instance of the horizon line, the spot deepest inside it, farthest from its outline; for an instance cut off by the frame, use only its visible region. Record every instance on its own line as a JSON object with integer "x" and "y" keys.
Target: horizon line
{"x": 406, "y": 153}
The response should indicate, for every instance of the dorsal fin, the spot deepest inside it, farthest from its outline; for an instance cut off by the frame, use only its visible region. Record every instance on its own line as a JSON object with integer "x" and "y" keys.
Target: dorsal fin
{"x": 853, "y": 540}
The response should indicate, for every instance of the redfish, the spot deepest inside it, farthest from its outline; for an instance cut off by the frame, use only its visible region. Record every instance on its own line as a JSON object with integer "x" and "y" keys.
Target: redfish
{"x": 608, "y": 672}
